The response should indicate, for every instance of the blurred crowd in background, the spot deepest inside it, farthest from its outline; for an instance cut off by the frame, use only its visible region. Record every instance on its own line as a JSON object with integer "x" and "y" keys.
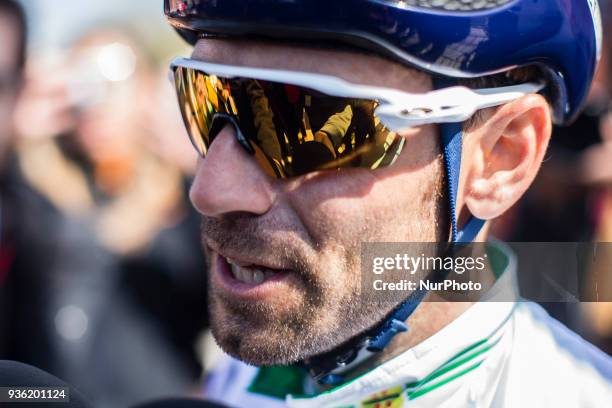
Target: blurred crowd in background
{"x": 101, "y": 272}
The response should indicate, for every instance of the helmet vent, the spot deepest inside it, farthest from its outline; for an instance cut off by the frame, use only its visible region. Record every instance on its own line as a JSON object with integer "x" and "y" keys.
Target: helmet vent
{"x": 451, "y": 5}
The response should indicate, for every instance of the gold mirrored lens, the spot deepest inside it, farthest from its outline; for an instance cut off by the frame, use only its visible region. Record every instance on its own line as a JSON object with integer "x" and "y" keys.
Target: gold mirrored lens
{"x": 291, "y": 130}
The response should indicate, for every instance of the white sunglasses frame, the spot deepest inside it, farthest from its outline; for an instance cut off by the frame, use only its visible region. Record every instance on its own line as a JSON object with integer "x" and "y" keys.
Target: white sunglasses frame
{"x": 397, "y": 110}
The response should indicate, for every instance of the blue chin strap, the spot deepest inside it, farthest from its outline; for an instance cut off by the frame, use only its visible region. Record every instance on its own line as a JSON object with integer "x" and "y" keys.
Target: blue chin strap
{"x": 451, "y": 135}
{"x": 329, "y": 368}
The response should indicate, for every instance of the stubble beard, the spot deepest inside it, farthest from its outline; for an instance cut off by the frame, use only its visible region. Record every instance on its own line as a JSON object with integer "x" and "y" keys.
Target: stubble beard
{"x": 325, "y": 312}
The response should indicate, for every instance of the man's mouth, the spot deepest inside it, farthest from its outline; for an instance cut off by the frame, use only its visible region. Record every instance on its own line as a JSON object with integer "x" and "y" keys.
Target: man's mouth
{"x": 250, "y": 274}
{"x": 250, "y": 281}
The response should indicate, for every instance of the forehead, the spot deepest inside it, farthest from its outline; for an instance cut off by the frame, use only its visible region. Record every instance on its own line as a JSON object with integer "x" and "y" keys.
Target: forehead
{"x": 355, "y": 67}
{"x": 10, "y": 42}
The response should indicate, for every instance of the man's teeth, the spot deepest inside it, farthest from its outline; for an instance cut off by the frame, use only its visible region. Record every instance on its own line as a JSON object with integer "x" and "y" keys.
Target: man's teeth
{"x": 249, "y": 275}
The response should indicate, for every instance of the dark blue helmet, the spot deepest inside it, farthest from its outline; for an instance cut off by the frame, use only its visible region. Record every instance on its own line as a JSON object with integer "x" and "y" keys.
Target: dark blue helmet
{"x": 448, "y": 38}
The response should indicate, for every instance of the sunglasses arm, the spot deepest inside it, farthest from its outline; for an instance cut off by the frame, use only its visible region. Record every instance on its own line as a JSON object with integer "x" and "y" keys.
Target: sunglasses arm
{"x": 450, "y": 105}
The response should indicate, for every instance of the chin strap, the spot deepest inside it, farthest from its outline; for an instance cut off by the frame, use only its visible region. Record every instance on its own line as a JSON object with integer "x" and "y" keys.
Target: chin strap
{"x": 328, "y": 368}
{"x": 451, "y": 136}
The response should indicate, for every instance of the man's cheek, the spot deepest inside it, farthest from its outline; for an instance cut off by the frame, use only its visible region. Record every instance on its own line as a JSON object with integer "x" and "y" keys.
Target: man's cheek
{"x": 330, "y": 202}
{"x": 338, "y": 221}
{"x": 339, "y": 275}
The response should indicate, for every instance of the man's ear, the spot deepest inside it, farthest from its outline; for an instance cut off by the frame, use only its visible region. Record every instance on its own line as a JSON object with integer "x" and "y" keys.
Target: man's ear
{"x": 505, "y": 152}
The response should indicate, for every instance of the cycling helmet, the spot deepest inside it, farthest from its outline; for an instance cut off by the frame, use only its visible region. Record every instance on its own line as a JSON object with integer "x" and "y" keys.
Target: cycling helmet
{"x": 447, "y": 38}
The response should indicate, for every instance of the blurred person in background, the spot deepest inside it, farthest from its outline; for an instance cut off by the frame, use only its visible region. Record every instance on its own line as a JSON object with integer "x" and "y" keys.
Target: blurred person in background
{"x": 121, "y": 300}
{"x": 12, "y": 57}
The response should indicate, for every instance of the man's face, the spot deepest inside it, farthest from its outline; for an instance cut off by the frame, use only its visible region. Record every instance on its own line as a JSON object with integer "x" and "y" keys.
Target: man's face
{"x": 304, "y": 234}
{"x": 9, "y": 38}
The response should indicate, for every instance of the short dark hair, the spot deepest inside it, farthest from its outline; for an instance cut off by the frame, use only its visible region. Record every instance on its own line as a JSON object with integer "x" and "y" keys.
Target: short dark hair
{"x": 14, "y": 9}
{"x": 512, "y": 77}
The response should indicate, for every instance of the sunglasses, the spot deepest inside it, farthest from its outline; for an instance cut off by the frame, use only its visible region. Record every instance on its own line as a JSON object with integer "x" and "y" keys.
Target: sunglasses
{"x": 294, "y": 123}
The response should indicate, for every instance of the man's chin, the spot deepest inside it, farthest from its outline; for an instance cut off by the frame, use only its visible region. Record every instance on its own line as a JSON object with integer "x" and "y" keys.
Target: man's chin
{"x": 260, "y": 348}
{"x": 265, "y": 337}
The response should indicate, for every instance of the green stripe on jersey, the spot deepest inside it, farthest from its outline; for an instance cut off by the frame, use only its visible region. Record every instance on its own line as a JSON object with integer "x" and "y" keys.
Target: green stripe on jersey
{"x": 417, "y": 393}
{"x": 278, "y": 381}
{"x": 452, "y": 364}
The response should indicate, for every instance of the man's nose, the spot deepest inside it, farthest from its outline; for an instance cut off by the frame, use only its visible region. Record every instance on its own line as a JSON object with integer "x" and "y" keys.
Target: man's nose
{"x": 229, "y": 179}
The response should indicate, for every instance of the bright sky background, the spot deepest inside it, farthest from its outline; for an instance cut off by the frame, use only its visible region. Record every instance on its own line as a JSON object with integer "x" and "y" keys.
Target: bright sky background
{"x": 56, "y": 23}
